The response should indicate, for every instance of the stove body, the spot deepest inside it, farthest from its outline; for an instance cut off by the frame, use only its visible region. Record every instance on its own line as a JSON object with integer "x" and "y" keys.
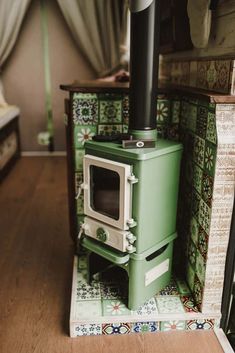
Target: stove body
{"x": 130, "y": 203}
{"x": 130, "y": 191}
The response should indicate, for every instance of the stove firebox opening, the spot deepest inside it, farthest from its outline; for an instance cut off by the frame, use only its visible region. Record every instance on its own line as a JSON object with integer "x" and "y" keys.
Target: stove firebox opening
{"x": 105, "y": 191}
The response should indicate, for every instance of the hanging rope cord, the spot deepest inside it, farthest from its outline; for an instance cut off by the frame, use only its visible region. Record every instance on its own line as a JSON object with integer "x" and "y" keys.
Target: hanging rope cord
{"x": 47, "y": 77}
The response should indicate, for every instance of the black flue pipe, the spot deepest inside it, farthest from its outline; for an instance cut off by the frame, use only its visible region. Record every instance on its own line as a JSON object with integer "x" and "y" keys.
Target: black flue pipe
{"x": 144, "y": 62}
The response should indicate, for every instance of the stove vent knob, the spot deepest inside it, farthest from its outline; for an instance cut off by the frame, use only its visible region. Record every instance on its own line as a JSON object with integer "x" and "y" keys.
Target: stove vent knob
{"x": 131, "y": 223}
{"x": 131, "y": 238}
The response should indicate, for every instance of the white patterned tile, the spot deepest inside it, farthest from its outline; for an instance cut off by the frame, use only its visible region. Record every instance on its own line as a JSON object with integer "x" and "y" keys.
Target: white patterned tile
{"x": 88, "y": 292}
{"x": 148, "y": 308}
{"x": 169, "y": 304}
{"x": 88, "y": 309}
{"x": 87, "y": 330}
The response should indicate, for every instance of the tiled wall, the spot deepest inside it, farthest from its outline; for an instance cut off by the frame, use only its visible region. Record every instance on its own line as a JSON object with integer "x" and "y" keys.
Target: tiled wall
{"x": 207, "y": 179}
{"x": 212, "y": 75}
{"x": 198, "y": 134}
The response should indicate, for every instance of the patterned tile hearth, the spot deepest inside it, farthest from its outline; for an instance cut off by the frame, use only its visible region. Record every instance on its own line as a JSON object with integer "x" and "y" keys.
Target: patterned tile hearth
{"x": 207, "y": 131}
{"x": 100, "y": 308}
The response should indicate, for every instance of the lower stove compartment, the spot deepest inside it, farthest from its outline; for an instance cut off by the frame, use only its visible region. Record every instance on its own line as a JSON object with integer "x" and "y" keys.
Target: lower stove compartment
{"x": 100, "y": 308}
{"x": 145, "y": 273}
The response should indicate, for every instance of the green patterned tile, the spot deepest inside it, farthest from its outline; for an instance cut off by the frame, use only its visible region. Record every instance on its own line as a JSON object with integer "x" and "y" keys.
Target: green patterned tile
{"x": 182, "y": 287}
{"x": 173, "y": 132}
{"x": 114, "y": 307}
{"x": 207, "y": 189}
{"x": 210, "y": 159}
{"x": 199, "y": 150}
{"x": 203, "y": 239}
{"x": 125, "y": 129}
{"x": 85, "y": 110}
{"x": 79, "y": 155}
{"x": 190, "y": 276}
{"x": 198, "y": 291}
{"x": 211, "y": 134}
{"x": 189, "y": 171}
{"x": 173, "y": 325}
{"x": 125, "y": 110}
{"x": 80, "y": 219}
{"x": 197, "y": 178}
{"x": 82, "y": 276}
{"x": 204, "y": 216}
{"x": 161, "y": 131}
{"x": 201, "y": 127}
{"x": 184, "y": 115}
{"x": 192, "y": 253}
{"x": 195, "y": 203}
{"x": 192, "y": 117}
{"x": 83, "y": 134}
{"x": 109, "y": 129}
{"x": 200, "y": 267}
{"x": 110, "y": 112}
{"x": 194, "y": 229}
{"x": 82, "y": 262}
{"x": 163, "y": 111}
{"x": 80, "y": 95}
{"x": 175, "y": 112}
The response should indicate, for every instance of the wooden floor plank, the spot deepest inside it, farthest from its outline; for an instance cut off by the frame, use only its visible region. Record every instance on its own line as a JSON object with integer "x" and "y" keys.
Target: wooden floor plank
{"x": 36, "y": 256}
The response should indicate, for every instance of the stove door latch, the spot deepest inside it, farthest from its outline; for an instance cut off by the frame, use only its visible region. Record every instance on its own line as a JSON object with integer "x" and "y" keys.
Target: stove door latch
{"x": 132, "y": 179}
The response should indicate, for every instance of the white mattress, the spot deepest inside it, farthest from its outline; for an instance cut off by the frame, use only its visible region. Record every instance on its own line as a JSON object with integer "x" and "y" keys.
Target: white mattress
{"x": 7, "y": 114}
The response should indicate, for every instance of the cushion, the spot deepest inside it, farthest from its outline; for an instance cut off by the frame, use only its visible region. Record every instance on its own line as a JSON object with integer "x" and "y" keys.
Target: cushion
{"x": 7, "y": 114}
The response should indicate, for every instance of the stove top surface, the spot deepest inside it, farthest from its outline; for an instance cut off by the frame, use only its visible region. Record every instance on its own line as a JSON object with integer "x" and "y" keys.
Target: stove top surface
{"x": 162, "y": 147}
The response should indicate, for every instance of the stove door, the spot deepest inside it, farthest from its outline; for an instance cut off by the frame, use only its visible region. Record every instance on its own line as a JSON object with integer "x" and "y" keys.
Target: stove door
{"x": 107, "y": 191}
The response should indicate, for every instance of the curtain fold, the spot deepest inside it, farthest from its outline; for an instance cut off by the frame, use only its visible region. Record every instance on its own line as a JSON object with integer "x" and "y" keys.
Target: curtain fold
{"x": 12, "y": 13}
{"x": 98, "y": 27}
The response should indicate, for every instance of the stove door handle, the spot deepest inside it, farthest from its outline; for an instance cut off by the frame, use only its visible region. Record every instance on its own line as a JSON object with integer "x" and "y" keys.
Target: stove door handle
{"x": 132, "y": 179}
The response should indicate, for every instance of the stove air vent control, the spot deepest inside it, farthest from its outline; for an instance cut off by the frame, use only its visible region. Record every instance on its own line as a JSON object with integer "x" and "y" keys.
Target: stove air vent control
{"x": 102, "y": 235}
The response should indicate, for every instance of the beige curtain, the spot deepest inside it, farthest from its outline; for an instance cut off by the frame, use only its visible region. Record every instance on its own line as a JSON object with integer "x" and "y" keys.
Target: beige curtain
{"x": 98, "y": 27}
{"x": 12, "y": 13}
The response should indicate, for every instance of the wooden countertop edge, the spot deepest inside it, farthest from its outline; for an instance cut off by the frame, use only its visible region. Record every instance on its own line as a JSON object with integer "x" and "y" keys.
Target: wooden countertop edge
{"x": 118, "y": 87}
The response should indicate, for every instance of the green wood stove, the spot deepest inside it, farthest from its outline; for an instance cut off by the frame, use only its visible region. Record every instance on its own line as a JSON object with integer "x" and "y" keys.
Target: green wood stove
{"x": 131, "y": 181}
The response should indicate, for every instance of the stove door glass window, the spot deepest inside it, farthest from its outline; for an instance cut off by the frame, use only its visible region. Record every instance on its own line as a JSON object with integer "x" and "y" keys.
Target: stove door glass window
{"x": 105, "y": 191}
